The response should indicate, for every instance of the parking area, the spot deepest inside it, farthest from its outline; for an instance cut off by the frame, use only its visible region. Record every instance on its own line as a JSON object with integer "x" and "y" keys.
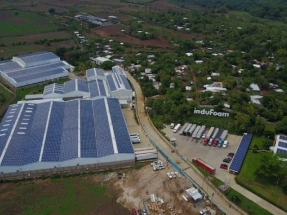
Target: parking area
{"x": 192, "y": 147}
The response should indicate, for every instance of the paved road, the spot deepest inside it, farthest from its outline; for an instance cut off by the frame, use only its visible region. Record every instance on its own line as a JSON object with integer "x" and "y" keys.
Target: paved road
{"x": 218, "y": 198}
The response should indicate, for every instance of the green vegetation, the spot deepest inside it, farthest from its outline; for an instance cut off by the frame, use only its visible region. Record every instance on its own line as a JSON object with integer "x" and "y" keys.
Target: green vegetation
{"x": 247, "y": 205}
{"x": 5, "y": 99}
{"x": 73, "y": 195}
{"x": 38, "y": 89}
{"x": 263, "y": 176}
{"x": 24, "y": 23}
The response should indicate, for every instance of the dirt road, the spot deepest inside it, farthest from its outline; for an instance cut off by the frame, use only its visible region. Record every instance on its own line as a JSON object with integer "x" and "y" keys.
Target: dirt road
{"x": 218, "y": 198}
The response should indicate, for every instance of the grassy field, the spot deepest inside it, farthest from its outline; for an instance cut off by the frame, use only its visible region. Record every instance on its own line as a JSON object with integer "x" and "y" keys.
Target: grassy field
{"x": 248, "y": 178}
{"x": 73, "y": 195}
{"x": 23, "y": 23}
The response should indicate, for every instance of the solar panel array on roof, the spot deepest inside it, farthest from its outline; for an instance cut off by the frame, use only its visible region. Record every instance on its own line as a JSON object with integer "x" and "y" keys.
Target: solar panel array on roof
{"x": 87, "y": 125}
{"x": 102, "y": 87}
{"x": 60, "y": 131}
{"x": 282, "y": 144}
{"x": 93, "y": 88}
{"x": 69, "y": 86}
{"x": 9, "y": 65}
{"x": 54, "y": 88}
{"x": 281, "y": 137}
{"x": 95, "y": 72}
{"x": 121, "y": 133}
{"x": 126, "y": 83}
{"x": 83, "y": 86}
{"x": 103, "y": 133}
{"x": 240, "y": 153}
{"x": 282, "y": 151}
{"x": 36, "y": 57}
{"x": 111, "y": 82}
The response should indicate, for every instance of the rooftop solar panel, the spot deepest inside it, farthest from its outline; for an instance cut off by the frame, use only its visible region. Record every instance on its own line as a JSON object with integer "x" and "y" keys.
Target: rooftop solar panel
{"x": 282, "y": 144}
{"x": 121, "y": 133}
{"x": 87, "y": 126}
{"x": 9, "y": 65}
{"x": 36, "y": 57}
{"x": 36, "y": 133}
{"x": 111, "y": 82}
{"x": 100, "y": 72}
{"x": 94, "y": 90}
{"x": 69, "y": 86}
{"x": 282, "y": 151}
{"x": 44, "y": 75}
{"x": 69, "y": 145}
{"x": 90, "y": 73}
{"x": 281, "y": 137}
{"x": 125, "y": 82}
{"x": 83, "y": 86}
{"x": 54, "y": 133}
{"x": 102, "y": 88}
{"x": 103, "y": 133}
{"x": 241, "y": 151}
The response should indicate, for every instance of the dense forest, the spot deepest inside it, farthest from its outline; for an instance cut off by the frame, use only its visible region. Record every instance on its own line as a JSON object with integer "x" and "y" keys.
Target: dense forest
{"x": 275, "y": 10}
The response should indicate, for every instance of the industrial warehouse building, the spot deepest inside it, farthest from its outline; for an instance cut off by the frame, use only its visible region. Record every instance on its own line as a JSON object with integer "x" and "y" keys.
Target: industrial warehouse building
{"x": 112, "y": 84}
{"x": 52, "y": 135}
{"x": 28, "y": 69}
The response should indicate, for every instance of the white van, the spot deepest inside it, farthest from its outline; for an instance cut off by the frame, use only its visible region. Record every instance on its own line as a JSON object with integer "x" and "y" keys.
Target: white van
{"x": 171, "y": 125}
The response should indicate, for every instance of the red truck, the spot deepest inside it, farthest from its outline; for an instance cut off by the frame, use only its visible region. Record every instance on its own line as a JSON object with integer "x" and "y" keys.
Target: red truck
{"x": 204, "y": 165}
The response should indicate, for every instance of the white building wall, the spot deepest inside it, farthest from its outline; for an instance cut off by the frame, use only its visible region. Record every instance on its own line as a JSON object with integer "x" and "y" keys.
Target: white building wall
{"x": 122, "y": 94}
{"x": 111, "y": 160}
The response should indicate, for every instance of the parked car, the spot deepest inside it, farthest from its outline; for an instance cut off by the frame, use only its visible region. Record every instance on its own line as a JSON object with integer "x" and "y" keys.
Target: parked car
{"x": 226, "y": 160}
{"x": 144, "y": 212}
{"x": 230, "y": 155}
{"x": 134, "y": 211}
{"x": 177, "y": 174}
{"x": 173, "y": 175}
{"x": 203, "y": 212}
{"x": 223, "y": 166}
{"x": 169, "y": 175}
{"x": 225, "y": 144}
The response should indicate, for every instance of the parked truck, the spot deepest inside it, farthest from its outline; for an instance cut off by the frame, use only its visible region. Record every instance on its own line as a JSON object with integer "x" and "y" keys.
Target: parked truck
{"x": 204, "y": 165}
{"x": 190, "y": 131}
{"x": 182, "y": 128}
{"x": 195, "y": 131}
{"x": 208, "y": 135}
{"x": 186, "y": 129}
{"x": 200, "y": 132}
{"x": 213, "y": 136}
{"x": 176, "y": 128}
{"x": 216, "y": 139}
{"x": 222, "y": 138}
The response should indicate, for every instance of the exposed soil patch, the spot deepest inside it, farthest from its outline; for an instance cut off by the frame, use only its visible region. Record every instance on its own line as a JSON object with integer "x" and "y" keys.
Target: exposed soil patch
{"x": 114, "y": 32}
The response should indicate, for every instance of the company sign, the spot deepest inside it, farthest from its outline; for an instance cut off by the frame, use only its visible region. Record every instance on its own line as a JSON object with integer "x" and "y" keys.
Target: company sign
{"x": 211, "y": 112}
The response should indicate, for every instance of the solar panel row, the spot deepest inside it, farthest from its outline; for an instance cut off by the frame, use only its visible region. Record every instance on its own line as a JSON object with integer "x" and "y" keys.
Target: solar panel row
{"x": 121, "y": 133}
{"x": 282, "y": 144}
{"x": 103, "y": 133}
{"x": 9, "y": 65}
{"x": 281, "y": 137}
{"x": 94, "y": 90}
{"x": 241, "y": 151}
{"x": 36, "y": 57}
{"x": 102, "y": 88}
{"x": 282, "y": 151}
{"x": 126, "y": 83}
{"x": 111, "y": 83}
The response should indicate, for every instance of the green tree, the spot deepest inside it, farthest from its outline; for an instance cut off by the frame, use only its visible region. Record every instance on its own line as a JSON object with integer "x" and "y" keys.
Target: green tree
{"x": 108, "y": 65}
{"x": 51, "y": 10}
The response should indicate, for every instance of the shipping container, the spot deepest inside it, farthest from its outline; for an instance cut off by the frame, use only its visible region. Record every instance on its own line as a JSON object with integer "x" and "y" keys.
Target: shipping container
{"x": 146, "y": 157}
{"x": 200, "y": 132}
{"x": 190, "y": 131}
{"x": 182, "y": 128}
{"x": 195, "y": 131}
{"x": 204, "y": 165}
{"x": 187, "y": 128}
